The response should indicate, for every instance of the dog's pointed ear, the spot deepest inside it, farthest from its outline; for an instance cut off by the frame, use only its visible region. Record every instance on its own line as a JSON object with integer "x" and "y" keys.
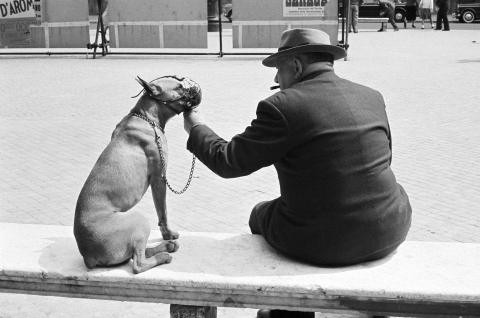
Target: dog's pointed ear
{"x": 151, "y": 89}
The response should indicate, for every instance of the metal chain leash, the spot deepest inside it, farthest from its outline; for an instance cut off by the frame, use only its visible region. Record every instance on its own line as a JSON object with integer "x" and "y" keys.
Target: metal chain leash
{"x": 164, "y": 171}
{"x": 162, "y": 158}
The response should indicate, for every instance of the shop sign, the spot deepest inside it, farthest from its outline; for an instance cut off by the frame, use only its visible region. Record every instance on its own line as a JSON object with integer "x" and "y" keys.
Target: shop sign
{"x": 14, "y": 9}
{"x": 304, "y": 8}
{"x": 16, "y": 16}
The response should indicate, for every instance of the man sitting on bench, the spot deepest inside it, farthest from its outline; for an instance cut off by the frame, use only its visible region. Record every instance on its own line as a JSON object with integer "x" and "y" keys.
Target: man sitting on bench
{"x": 330, "y": 142}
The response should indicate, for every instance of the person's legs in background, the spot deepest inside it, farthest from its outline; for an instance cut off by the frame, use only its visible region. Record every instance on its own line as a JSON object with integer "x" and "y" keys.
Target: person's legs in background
{"x": 424, "y": 15}
{"x": 446, "y": 25}
{"x": 440, "y": 16}
{"x": 354, "y": 20}
{"x": 382, "y": 27}
{"x": 414, "y": 16}
{"x": 391, "y": 19}
{"x": 439, "y": 21}
{"x": 411, "y": 16}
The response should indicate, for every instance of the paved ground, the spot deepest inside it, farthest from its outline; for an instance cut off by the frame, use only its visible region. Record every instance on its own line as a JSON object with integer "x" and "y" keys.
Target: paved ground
{"x": 57, "y": 114}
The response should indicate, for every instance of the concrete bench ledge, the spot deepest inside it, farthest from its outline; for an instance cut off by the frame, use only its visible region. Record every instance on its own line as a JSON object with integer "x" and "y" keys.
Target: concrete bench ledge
{"x": 241, "y": 270}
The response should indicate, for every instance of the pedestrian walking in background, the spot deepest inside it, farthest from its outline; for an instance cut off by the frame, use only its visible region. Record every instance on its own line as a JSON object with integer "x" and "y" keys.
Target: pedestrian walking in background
{"x": 387, "y": 9}
{"x": 411, "y": 6}
{"x": 442, "y": 15}
{"x": 354, "y": 8}
{"x": 426, "y": 8}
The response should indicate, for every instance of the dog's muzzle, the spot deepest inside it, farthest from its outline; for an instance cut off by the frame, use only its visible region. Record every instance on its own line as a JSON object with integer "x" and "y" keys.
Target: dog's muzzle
{"x": 188, "y": 91}
{"x": 192, "y": 93}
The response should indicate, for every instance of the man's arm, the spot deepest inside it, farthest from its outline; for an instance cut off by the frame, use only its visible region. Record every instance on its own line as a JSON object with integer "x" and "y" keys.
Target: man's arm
{"x": 262, "y": 143}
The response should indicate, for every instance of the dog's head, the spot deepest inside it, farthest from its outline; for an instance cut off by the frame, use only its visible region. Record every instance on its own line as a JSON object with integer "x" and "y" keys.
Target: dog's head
{"x": 172, "y": 89}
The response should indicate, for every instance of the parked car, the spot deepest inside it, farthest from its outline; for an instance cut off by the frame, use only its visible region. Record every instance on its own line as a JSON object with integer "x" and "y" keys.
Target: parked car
{"x": 371, "y": 9}
{"x": 467, "y": 10}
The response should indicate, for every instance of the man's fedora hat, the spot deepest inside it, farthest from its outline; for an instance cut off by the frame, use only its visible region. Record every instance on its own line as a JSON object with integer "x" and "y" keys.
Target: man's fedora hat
{"x": 304, "y": 41}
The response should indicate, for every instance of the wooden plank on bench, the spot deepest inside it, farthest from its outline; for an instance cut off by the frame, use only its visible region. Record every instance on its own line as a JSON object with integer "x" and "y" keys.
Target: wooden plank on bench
{"x": 241, "y": 270}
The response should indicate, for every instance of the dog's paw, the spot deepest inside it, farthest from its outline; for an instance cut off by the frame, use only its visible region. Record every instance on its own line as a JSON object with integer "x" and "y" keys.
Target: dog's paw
{"x": 168, "y": 260}
{"x": 163, "y": 258}
{"x": 172, "y": 246}
{"x": 169, "y": 234}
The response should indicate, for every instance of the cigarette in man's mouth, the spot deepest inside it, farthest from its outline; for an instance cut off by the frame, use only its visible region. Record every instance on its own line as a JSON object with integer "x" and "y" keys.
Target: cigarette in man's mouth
{"x": 274, "y": 87}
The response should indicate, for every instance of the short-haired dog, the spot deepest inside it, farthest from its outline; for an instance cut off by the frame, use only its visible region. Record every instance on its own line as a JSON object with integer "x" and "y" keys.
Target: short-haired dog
{"x": 107, "y": 233}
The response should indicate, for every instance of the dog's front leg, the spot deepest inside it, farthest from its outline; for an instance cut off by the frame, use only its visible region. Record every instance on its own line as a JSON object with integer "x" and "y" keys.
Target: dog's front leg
{"x": 159, "y": 192}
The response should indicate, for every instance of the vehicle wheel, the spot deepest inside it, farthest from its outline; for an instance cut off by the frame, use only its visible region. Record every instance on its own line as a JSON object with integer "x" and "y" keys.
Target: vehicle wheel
{"x": 399, "y": 16}
{"x": 468, "y": 16}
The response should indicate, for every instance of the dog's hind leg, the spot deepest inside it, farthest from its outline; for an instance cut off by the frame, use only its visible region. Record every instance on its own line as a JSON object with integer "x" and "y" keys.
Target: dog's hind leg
{"x": 164, "y": 246}
{"x": 141, "y": 262}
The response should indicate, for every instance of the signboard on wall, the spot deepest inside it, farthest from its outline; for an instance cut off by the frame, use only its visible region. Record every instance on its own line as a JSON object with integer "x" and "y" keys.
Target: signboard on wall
{"x": 304, "y": 8}
{"x": 14, "y": 9}
{"x": 16, "y": 16}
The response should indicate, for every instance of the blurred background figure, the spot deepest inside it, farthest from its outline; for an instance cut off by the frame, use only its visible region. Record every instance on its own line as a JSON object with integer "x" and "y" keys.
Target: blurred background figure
{"x": 442, "y": 15}
{"x": 387, "y": 9}
{"x": 354, "y": 8}
{"x": 426, "y": 8}
{"x": 411, "y": 6}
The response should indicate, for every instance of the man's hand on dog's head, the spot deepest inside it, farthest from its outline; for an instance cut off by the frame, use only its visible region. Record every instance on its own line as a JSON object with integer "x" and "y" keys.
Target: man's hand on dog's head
{"x": 191, "y": 119}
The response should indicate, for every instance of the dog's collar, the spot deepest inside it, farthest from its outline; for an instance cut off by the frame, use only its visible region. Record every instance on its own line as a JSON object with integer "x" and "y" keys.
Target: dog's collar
{"x": 148, "y": 120}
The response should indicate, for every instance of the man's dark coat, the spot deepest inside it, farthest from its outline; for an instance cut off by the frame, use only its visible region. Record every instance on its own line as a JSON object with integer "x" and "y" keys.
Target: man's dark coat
{"x": 330, "y": 142}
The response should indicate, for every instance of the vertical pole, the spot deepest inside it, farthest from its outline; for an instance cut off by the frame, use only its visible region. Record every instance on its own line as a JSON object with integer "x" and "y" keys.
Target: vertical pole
{"x": 96, "y": 39}
{"x": 95, "y": 44}
{"x": 343, "y": 19}
{"x": 346, "y": 6}
{"x": 102, "y": 6}
{"x": 220, "y": 26}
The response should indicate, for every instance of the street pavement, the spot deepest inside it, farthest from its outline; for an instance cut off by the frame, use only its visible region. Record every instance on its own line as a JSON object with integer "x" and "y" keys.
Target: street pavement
{"x": 57, "y": 114}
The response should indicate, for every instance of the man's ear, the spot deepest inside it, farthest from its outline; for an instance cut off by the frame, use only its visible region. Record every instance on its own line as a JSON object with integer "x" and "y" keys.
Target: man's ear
{"x": 298, "y": 67}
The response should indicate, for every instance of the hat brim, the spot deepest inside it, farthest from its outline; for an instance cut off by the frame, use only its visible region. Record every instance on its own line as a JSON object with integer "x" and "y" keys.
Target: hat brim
{"x": 336, "y": 51}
